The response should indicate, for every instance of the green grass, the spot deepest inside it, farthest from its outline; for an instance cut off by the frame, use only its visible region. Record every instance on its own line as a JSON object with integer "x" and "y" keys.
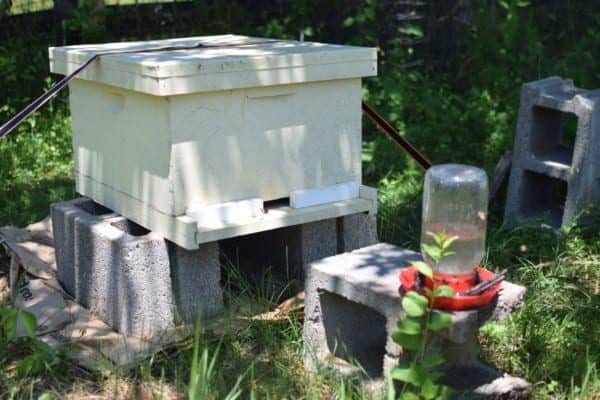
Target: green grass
{"x": 261, "y": 359}
{"x": 553, "y": 341}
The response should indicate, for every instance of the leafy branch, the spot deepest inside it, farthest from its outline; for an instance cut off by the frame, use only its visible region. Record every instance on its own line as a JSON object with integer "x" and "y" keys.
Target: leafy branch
{"x": 40, "y": 356}
{"x": 419, "y": 375}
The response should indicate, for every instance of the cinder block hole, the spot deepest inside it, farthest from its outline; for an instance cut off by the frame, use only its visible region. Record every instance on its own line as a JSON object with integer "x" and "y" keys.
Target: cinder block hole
{"x": 569, "y": 130}
{"x": 354, "y": 332}
{"x": 130, "y": 227}
{"x": 91, "y": 207}
{"x": 544, "y": 198}
{"x": 553, "y": 135}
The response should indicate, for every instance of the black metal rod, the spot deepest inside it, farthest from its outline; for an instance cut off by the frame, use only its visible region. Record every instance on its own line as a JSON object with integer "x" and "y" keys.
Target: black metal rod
{"x": 12, "y": 123}
{"x": 391, "y": 132}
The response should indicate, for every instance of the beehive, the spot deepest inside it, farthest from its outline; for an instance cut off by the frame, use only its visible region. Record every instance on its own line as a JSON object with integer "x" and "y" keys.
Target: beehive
{"x": 156, "y": 133}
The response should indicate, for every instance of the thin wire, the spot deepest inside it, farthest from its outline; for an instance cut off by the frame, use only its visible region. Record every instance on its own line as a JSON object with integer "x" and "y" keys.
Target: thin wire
{"x": 32, "y": 107}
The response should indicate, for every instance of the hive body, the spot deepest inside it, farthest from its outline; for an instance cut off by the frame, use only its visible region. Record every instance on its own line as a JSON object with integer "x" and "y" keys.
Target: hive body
{"x": 175, "y": 152}
{"x": 158, "y": 133}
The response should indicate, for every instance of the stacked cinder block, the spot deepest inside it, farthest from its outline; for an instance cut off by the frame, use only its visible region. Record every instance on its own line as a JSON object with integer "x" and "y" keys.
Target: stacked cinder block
{"x": 142, "y": 284}
{"x": 133, "y": 279}
{"x": 551, "y": 179}
{"x": 353, "y": 305}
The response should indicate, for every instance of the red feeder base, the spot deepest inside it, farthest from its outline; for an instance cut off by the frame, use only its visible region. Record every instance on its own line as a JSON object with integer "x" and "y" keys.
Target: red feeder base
{"x": 411, "y": 279}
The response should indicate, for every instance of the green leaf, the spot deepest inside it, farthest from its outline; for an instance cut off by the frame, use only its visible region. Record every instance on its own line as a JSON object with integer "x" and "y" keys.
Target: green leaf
{"x": 409, "y": 396}
{"x": 413, "y": 374}
{"x": 414, "y": 304}
{"x": 447, "y": 253}
{"x": 432, "y": 251}
{"x": 435, "y": 375}
{"x": 408, "y": 342}
{"x": 402, "y": 374}
{"x": 423, "y": 268}
{"x": 444, "y": 291}
{"x": 429, "y": 390}
{"x": 448, "y": 242}
{"x": 411, "y": 30}
{"x": 9, "y": 324}
{"x": 437, "y": 237}
{"x": 439, "y": 320}
{"x": 433, "y": 361}
{"x": 445, "y": 393}
{"x": 409, "y": 326}
{"x": 348, "y": 22}
{"x": 29, "y": 323}
{"x": 419, "y": 298}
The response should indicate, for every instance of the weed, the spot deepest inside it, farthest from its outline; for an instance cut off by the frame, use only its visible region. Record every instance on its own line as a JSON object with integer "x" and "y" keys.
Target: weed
{"x": 413, "y": 334}
{"x": 203, "y": 374}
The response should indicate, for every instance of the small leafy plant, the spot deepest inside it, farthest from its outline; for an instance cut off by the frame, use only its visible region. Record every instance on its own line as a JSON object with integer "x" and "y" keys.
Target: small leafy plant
{"x": 34, "y": 355}
{"x": 419, "y": 375}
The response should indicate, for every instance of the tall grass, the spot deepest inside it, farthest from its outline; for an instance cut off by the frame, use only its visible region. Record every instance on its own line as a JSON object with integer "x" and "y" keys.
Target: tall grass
{"x": 204, "y": 383}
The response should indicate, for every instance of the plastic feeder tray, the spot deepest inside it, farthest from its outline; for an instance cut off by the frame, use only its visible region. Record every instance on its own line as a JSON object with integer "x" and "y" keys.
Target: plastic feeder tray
{"x": 412, "y": 279}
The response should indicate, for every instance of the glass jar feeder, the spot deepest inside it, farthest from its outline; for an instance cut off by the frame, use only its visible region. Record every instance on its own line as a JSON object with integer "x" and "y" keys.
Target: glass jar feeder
{"x": 455, "y": 202}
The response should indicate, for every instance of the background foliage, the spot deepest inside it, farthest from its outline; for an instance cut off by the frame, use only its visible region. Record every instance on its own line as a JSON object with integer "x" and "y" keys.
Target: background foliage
{"x": 449, "y": 78}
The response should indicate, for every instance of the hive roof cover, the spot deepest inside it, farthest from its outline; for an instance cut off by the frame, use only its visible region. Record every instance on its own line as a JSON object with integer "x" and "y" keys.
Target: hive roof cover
{"x": 230, "y": 62}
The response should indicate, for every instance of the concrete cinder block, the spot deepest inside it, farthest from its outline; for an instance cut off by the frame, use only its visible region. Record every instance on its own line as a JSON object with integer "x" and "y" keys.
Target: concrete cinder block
{"x": 196, "y": 276}
{"x": 64, "y": 217}
{"x": 317, "y": 240}
{"x": 480, "y": 381}
{"x": 131, "y": 265}
{"x": 352, "y": 306}
{"x": 551, "y": 180}
{"x": 356, "y": 231}
{"x": 131, "y": 278}
{"x": 351, "y": 285}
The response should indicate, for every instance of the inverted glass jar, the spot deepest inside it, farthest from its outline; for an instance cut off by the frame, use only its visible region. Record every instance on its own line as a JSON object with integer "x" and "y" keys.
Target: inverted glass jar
{"x": 455, "y": 201}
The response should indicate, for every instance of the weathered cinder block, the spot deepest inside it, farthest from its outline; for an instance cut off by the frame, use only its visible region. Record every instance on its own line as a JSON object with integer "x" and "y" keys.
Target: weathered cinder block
{"x": 356, "y": 231}
{"x": 340, "y": 291}
{"x": 352, "y": 307}
{"x": 129, "y": 277}
{"x": 64, "y": 218}
{"x": 196, "y": 276}
{"x": 551, "y": 180}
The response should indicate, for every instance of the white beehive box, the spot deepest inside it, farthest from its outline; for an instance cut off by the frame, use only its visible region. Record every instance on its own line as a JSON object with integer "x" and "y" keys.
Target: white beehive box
{"x": 158, "y": 133}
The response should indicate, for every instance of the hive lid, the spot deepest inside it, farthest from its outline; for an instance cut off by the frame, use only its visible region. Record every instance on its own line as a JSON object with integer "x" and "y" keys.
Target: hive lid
{"x": 263, "y": 62}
